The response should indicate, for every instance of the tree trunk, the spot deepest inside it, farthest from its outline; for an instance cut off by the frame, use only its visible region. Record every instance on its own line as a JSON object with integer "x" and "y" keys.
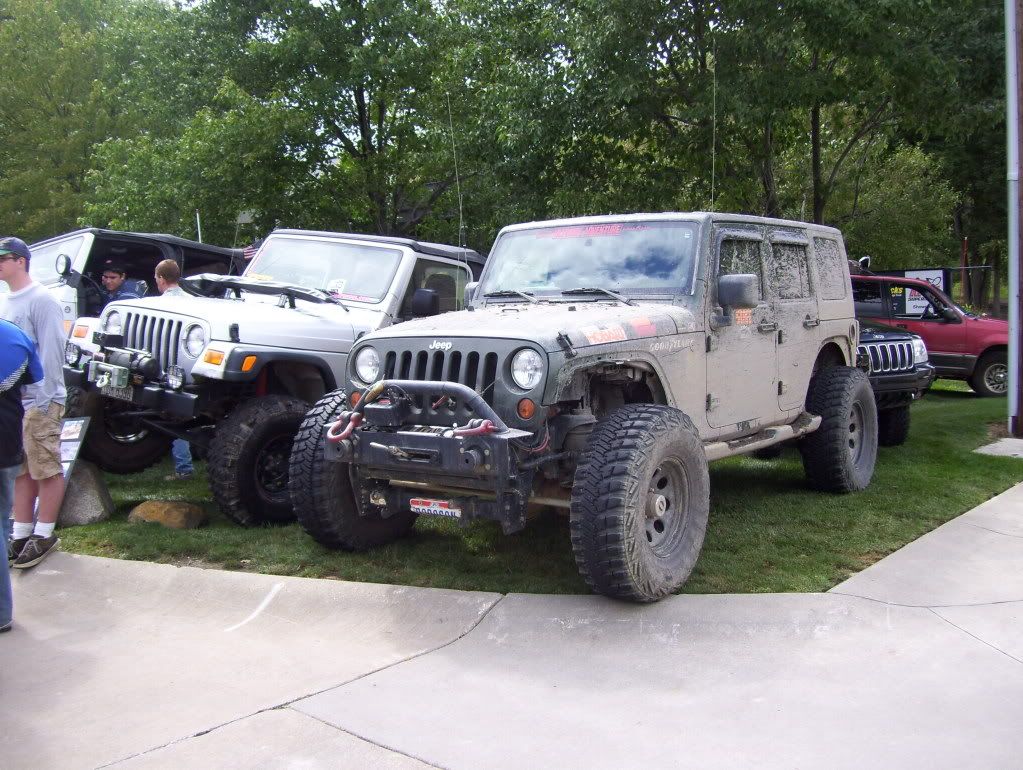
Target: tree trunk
{"x": 772, "y": 208}
{"x": 815, "y": 154}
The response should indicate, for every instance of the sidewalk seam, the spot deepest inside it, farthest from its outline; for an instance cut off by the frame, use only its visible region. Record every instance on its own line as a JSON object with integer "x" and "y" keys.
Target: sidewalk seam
{"x": 992, "y": 531}
{"x": 287, "y": 704}
{"x": 974, "y": 636}
{"x": 924, "y": 606}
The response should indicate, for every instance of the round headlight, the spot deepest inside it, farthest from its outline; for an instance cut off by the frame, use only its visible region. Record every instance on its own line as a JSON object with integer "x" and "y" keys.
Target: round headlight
{"x": 195, "y": 340}
{"x": 367, "y": 365}
{"x": 112, "y": 323}
{"x": 919, "y": 351}
{"x": 527, "y": 369}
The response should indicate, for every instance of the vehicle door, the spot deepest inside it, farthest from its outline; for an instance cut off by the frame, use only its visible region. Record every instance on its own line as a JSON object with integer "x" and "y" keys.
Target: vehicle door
{"x": 445, "y": 278}
{"x": 43, "y": 268}
{"x": 795, "y": 315}
{"x": 920, "y": 309}
{"x": 741, "y": 368}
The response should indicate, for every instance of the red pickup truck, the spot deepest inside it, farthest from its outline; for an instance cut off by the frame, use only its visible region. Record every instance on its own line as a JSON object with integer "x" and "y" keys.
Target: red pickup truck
{"x": 961, "y": 345}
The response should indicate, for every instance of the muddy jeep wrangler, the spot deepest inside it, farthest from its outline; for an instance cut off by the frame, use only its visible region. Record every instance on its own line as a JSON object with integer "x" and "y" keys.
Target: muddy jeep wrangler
{"x": 601, "y": 364}
{"x": 234, "y": 367}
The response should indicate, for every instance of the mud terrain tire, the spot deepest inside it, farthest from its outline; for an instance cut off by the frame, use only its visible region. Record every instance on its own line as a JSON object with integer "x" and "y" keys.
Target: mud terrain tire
{"x": 893, "y": 426}
{"x": 323, "y": 494}
{"x": 839, "y": 456}
{"x": 115, "y": 445}
{"x": 248, "y": 460}
{"x": 990, "y": 377}
{"x": 640, "y": 502}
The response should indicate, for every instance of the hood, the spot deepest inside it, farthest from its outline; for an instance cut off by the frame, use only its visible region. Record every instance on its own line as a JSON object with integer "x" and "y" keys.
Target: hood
{"x": 585, "y": 323}
{"x": 872, "y": 331}
{"x": 308, "y": 325}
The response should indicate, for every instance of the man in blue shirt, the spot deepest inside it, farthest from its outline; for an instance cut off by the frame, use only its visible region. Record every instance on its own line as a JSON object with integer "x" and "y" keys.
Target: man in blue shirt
{"x": 115, "y": 285}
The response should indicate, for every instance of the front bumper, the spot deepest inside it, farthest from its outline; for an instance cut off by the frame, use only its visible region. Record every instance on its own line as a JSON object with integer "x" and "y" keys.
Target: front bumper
{"x": 147, "y": 396}
{"x": 407, "y": 457}
{"x": 897, "y": 389}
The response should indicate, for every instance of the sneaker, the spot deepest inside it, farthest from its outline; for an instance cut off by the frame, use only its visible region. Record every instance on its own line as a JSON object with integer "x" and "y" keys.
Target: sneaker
{"x": 179, "y": 476}
{"x": 14, "y": 549}
{"x": 36, "y": 549}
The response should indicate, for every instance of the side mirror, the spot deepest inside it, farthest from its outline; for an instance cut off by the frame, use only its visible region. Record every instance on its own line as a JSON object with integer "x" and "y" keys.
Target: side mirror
{"x": 951, "y": 315}
{"x": 739, "y": 291}
{"x": 470, "y": 289}
{"x": 424, "y": 302}
{"x": 864, "y": 262}
{"x": 63, "y": 265}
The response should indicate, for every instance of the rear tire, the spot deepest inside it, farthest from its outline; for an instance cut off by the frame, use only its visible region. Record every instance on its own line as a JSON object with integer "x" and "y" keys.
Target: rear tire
{"x": 640, "y": 502}
{"x": 248, "y": 459}
{"x": 839, "y": 456}
{"x": 893, "y": 426}
{"x": 322, "y": 492}
{"x": 990, "y": 377}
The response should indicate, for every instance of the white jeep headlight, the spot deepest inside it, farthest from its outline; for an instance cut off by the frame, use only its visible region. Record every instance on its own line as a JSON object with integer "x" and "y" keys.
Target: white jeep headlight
{"x": 112, "y": 323}
{"x": 195, "y": 340}
{"x": 919, "y": 351}
{"x": 527, "y": 368}
{"x": 367, "y": 365}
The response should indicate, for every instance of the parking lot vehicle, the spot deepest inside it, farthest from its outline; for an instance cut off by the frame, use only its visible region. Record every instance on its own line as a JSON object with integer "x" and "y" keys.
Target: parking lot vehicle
{"x": 899, "y": 374}
{"x": 78, "y": 290}
{"x": 961, "y": 345}
{"x": 234, "y": 368}
{"x": 602, "y": 363}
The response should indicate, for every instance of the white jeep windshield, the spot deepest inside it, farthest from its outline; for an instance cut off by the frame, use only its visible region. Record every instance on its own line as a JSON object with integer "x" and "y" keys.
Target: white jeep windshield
{"x": 346, "y": 270}
{"x": 629, "y": 257}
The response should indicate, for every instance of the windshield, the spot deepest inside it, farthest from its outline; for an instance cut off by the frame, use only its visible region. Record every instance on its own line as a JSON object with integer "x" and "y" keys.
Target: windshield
{"x": 345, "y": 270}
{"x": 627, "y": 257}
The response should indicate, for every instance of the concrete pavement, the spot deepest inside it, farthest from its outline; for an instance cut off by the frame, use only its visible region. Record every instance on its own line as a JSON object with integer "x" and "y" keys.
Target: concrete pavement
{"x": 917, "y": 660}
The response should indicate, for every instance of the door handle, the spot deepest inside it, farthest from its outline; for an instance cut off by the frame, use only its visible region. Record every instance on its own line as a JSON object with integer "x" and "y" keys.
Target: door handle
{"x": 809, "y": 323}
{"x": 767, "y": 326}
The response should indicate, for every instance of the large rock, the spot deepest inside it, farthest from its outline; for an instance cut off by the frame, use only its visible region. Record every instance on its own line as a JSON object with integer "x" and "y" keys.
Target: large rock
{"x": 176, "y": 515}
{"x": 86, "y": 499}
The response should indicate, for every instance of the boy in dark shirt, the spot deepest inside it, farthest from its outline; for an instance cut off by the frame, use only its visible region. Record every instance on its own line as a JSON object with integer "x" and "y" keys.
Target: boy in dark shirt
{"x": 19, "y": 365}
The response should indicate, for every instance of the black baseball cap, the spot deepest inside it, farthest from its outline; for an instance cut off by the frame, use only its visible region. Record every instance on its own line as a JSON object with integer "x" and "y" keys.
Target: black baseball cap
{"x": 11, "y": 245}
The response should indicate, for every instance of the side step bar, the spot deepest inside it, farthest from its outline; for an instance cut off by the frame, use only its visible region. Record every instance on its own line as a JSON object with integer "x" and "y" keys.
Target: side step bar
{"x": 805, "y": 423}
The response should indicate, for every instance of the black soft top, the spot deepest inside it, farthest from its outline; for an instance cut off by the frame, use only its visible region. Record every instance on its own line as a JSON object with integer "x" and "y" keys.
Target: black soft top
{"x": 182, "y": 243}
{"x": 423, "y": 247}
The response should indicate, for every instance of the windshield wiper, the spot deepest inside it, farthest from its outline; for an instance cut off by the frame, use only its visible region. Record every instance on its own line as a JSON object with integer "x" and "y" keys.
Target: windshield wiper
{"x": 512, "y": 293}
{"x": 598, "y": 290}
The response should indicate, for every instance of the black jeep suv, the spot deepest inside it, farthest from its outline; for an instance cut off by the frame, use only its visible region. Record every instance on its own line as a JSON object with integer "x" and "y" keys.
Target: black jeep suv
{"x": 899, "y": 374}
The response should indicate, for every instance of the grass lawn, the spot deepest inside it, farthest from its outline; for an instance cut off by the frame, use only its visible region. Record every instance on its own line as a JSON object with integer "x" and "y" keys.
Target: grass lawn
{"x": 767, "y": 532}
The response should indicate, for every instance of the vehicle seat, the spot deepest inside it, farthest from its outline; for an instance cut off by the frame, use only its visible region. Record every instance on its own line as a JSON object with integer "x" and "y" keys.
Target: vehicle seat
{"x": 444, "y": 286}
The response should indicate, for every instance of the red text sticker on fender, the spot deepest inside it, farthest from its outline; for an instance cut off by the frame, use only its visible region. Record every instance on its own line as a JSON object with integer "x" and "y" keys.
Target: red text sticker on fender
{"x": 597, "y": 335}
{"x": 643, "y": 327}
{"x": 434, "y": 508}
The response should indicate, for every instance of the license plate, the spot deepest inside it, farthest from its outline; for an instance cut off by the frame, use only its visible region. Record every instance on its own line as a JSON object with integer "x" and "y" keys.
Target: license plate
{"x": 123, "y": 394}
{"x": 434, "y": 508}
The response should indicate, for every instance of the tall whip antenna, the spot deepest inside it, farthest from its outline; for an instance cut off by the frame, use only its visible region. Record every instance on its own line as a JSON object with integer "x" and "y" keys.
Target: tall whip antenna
{"x": 458, "y": 184}
{"x": 714, "y": 119}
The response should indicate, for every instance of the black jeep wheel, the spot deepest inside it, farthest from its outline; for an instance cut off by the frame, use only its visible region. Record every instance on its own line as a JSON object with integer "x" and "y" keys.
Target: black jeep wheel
{"x": 839, "y": 456}
{"x": 640, "y": 502}
{"x": 248, "y": 460}
{"x": 115, "y": 443}
{"x": 991, "y": 375}
{"x": 323, "y": 493}
{"x": 893, "y": 426}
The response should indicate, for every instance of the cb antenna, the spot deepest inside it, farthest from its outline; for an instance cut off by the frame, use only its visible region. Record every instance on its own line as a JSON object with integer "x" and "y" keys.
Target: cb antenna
{"x": 714, "y": 118}
{"x": 458, "y": 185}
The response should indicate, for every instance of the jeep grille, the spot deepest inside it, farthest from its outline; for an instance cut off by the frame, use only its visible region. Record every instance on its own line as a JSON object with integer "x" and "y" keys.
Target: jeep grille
{"x": 889, "y": 356}
{"x": 157, "y": 335}
{"x": 473, "y": 369}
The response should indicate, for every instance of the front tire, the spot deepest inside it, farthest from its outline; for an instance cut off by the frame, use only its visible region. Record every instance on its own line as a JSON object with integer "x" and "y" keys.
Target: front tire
{"x": 640, "y": 503}
{"x": 115, "y": 444}
{"x": 893, "y": 426}
{"x": 990, "y": 377}
{"x": 248, "y": 460}
{"x": 839, "y": 456}
{"x": 322, "y": 492}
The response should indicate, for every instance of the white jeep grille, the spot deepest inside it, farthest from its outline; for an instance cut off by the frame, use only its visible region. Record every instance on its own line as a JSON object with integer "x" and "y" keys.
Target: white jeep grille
{"x": 158, "y": 335}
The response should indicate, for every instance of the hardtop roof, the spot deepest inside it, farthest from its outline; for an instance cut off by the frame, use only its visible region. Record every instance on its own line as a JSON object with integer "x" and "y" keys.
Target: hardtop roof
{"x": 674, "y": 216}
{"x": 423, "y": 247}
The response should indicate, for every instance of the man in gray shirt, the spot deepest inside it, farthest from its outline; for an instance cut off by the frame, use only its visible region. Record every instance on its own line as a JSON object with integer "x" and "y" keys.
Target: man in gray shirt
{"x": 36, "y": 312}
{"x": 167, "y": 276}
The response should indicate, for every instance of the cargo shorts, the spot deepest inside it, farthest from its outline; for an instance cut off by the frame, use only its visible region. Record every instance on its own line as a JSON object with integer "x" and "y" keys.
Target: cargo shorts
{"x": 41, "y": 433}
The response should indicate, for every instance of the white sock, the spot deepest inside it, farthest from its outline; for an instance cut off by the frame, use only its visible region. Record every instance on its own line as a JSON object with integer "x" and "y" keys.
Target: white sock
{"x": 22, "y": 530}
{"x": 45, "y": 530}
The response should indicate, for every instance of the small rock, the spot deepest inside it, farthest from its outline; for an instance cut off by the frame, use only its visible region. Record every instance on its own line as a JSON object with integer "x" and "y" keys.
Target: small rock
{"x": 86, "y": 499}
{"x": 176, "y": 515}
